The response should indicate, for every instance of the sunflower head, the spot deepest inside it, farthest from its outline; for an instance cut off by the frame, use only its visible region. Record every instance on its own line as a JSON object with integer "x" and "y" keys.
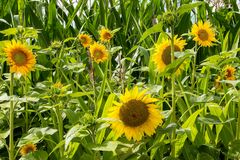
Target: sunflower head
{"x": 24, "y": 150}
{"x": 98, "y": 52}
{"x": 85, "y": 40}
{"x": 169, "y": 18}
{"x": 162, "y": 52}
{"x": 203, "y": 34}
{"x": 19, "y": 57}
{"x": 57, "y": 85}
{"x": 229, "y": 72}
{"x": 105, "y": 35}
{"x": 135, "y": 115}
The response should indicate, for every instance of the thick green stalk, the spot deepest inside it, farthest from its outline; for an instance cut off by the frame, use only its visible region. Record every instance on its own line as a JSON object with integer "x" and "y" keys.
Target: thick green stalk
{"x": 11, "y": 121}
{"x": 110, "y": 61}
{"x": 238, "y": 123}
{"x": 60, "y": 129}
{"x": 194, "y": 68}
{"x": 91, "y": 76}
{"x": 21, "y": 8}
{"x": 121, "y": 72}
{"x": 173, "y": 120}
{"x": 26, "y": 105}
{"x": 162, "y": 92}
{"x": 59, "y": 63}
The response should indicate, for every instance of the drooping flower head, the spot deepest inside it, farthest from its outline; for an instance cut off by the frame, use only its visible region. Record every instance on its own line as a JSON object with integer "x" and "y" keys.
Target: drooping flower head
{"x": 203, "y": 34}
{"x": 105, "y": 35}
{"x": 98, "y": 52}
{"x": 135, "y": 115}
{"x": 24, "y": 150}
{"x": 229, "y": 72}
{"x": 85, "y": 40}
{"x": 162, "y": 52}
{"x": 19, "y": 57}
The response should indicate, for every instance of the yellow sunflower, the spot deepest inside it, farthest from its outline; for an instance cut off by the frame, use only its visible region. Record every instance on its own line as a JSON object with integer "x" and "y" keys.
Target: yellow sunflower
{"x": 85, "y": 40}
{"x": 229, "y": 72}
{"x": 27, "y": 149}
{"x": 98, "y": 52}
{"x": 135, "y": 115}
{"x": 105, "y": 35}
{"x": 203, "y": 34}
{"x": 162, "y": 53}
{"x": 19, "y": 57}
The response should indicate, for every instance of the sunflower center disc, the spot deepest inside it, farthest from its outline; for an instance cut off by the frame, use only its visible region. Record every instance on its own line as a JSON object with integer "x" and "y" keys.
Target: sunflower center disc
{"x": 107, "y": 36}
{"x": 83, "y": 40}
{"x": 20, "y": 58}
{"x": 229, "y": 73}
{"x": 98, "y": 54}
{"x": 203, "y": 35}
{"x": 166, "y": 56}
{"x": 29, "y": 149}
{"x": 134, "y": 113}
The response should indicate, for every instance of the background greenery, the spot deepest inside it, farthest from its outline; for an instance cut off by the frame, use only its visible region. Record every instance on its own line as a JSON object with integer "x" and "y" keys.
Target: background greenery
{"x": 207, "y": 118}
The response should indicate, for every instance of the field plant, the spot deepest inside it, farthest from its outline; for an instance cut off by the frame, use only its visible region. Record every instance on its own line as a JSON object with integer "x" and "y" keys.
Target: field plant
{"x": 119, "y": 80}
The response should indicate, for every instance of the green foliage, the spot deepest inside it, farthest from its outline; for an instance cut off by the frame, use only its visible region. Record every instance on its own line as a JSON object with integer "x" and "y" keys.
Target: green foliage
{"x": 63, "y": 105}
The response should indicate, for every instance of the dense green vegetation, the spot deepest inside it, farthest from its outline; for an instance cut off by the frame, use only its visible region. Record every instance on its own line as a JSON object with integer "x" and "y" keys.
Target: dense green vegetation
{"x": 61, "y": 108}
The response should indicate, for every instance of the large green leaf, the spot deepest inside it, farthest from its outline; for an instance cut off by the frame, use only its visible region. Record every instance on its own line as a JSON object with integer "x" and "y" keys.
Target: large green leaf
{"x": 188, "y": 7}
{"x": 77, "y": 131}
{"x": 154, "y": 29}
{"x": 37, "y": 155}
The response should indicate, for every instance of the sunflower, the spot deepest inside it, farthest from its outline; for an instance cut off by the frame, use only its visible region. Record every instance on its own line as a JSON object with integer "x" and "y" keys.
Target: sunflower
{"x": 229, "y": 72}
{"x": 162, "y": 53}
{"x": 85, "y": 40}
{"x": 57, "y": 85}
{"x": 203, "y": 34}
{"x": 27, "y": 149}
{"x": 19, "y": 57}
{"x": 105, "y": 35}
{"x": 98, "y": 52}
{"x": 135, "y": 115}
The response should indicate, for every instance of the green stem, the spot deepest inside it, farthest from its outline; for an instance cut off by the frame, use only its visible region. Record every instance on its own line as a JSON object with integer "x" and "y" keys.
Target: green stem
{"x": 110, "y": 61}
{"x": 194, "y": 68}
{"x": 91, "y": 75}
{"x": 21, "y": 11}
{"x": 11, "y": 120}
{"x": 59, "y": 63}
{"x": 110, "y": 66}
{"x": 60, "y": 129}
{"x": 205, "y": 90}
{"x": 173, "y": 120}
{"x": 161, "y": 92}
{"x": 122, "y": 75}
{"x": 238, "y": 123}
{"x": 26, "y": 105}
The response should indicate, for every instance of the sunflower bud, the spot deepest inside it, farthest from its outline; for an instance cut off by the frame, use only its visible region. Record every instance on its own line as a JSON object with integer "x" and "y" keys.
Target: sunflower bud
{"x": 169, "y": 18}
{"x": 56, "y": 44}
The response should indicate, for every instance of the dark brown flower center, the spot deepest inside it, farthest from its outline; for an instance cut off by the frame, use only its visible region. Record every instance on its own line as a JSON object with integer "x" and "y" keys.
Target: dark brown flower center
{"x": 29, "y": 149}
{"x": 134, "y": 113}
{"x": 20, "y": 58}
{"x": 203, "y": 35}
{"x": 107, "y": 36}
{"x": 229, "y": 73}
{"x": 83, "y": 39}
{"x": 166, "y": 56}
